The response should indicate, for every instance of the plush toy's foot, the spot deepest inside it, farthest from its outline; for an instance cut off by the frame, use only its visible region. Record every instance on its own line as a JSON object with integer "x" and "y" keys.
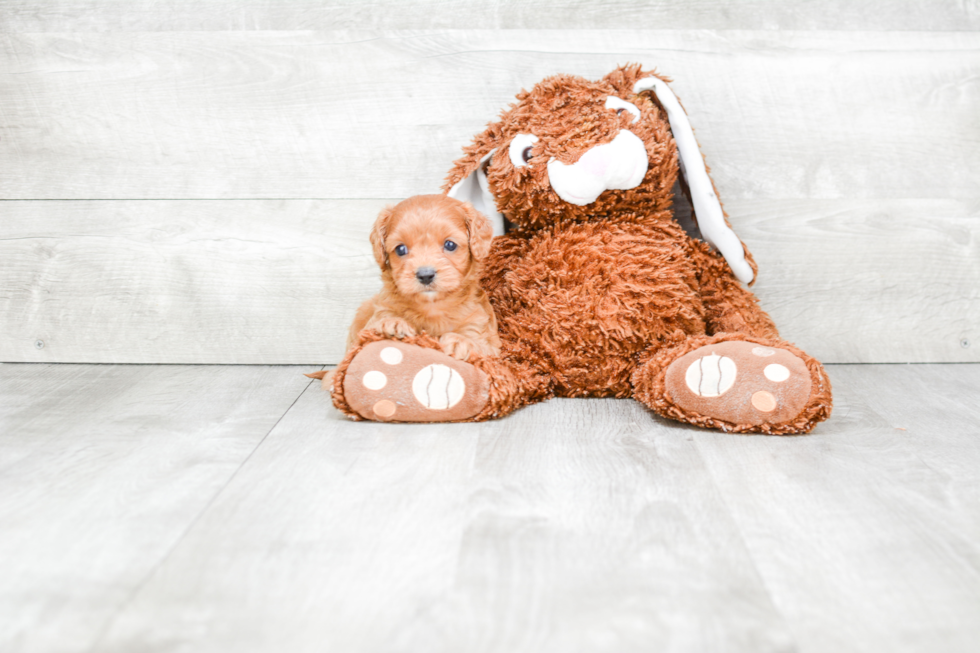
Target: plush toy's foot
{"x": 736, "y": 383}
{"x": 391, "y": 381}
{"x": 740, "y": 382}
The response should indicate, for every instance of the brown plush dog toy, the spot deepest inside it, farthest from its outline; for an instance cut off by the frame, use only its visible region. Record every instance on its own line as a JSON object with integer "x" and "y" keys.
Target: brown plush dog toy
{"x": 598, "y": 291}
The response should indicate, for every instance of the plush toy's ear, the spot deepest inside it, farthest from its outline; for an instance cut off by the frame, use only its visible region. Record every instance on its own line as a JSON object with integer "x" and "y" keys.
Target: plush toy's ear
{"x": 479, "y": 230}
{"x": 378, "y": 234}
{"x": 475, "y": 189}
{"x": 707, "y": 208}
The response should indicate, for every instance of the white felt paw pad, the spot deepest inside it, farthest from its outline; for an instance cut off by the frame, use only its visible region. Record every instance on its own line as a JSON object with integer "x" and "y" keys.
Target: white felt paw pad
{"x": 438, "y": 387}
{"x": 776, "y": 373}
{"x": 711, "y": 376}
{"x": 391, "y": 355}
{"x": 374, "y": 380}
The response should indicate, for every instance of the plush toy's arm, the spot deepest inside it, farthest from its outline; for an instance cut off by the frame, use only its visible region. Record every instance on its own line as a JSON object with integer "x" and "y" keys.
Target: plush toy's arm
{"x": 729, "y": 306}
{"x": 504, "y": 250}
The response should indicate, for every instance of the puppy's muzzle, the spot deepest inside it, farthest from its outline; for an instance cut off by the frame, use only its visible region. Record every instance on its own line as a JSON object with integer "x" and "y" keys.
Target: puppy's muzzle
{"x": 425, "y": 275}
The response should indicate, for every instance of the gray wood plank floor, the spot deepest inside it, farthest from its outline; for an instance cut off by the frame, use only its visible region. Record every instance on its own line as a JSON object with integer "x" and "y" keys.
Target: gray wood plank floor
{"x": 147, "y": 508}
{"x": 102, "y": 471}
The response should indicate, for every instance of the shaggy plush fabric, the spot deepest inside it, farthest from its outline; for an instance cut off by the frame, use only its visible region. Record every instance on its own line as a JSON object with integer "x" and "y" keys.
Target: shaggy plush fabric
{"x": 598, "y": 299}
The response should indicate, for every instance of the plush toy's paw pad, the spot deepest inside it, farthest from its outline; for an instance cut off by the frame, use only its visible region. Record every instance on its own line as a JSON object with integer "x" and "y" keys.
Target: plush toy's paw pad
{"x": 394, "y": 382}
{"x": 740, "y": 382}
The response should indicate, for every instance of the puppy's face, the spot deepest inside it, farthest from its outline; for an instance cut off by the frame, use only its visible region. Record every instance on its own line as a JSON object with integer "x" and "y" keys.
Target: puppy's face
{"x": 429, "y": 243}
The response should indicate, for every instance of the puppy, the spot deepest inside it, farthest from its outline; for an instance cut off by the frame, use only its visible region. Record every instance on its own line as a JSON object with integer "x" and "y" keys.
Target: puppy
{"x": 430, "y": 249}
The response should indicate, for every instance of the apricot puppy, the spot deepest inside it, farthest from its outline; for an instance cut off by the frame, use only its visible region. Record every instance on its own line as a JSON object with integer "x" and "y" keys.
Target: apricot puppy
{"x": 430, "y": 249}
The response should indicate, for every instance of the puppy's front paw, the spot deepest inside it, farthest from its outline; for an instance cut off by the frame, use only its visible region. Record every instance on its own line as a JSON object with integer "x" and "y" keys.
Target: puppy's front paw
{"x": 395, "y": 327}
{"x": 457, "y": 346}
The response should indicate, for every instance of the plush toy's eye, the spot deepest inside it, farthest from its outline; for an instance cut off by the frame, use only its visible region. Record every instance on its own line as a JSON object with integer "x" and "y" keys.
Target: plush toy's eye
{"x": 449, "y": 246}
{"x": 401, "y": 250}
{"x": 520, "y": 149}
{"x": 613, "y": 102}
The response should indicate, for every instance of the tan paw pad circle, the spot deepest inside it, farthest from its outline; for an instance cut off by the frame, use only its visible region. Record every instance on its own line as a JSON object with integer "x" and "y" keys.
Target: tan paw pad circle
{"x": 438, "y": 387}
{"x": 374, "y": 380}
{"x": 711, "y": 376}
{"x": 763, "y": 351}
{"x": 384, "y": 408}
{"x": 764, "y": 401}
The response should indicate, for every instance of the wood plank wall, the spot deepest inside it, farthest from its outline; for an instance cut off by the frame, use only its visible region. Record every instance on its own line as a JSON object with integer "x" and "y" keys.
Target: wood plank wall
{"x": 193, "y": 182}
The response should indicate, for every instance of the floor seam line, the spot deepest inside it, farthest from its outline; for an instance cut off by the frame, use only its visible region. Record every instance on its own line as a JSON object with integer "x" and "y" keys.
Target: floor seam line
{"x": 190, "y": 526}
{"x": 748, "y": 550}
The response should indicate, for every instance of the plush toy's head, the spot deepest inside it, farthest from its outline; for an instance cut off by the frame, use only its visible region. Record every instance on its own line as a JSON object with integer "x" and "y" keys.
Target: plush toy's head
{"x": 571, "y": 149}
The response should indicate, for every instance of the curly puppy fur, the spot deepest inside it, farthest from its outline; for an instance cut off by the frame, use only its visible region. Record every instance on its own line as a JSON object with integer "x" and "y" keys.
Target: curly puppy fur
{"x": 430, "y": 249}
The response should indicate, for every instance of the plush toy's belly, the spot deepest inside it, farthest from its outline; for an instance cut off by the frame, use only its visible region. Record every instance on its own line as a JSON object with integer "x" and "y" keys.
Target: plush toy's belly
{"x": 583, "y": 303}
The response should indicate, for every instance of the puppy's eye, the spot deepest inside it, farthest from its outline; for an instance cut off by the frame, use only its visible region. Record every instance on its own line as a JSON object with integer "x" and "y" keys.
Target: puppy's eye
{"x": 520, "y": 149}
{"x": 401, "y": 250}
{"x": 449, "y": 246}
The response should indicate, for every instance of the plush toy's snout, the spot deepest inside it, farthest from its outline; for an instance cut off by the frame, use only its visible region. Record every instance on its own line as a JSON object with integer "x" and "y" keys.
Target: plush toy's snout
{"x": 619, "y": 165}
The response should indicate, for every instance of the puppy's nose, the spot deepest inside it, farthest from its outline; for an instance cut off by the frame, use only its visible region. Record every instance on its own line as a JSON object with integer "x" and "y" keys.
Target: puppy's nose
{"x": 425, "y": 275}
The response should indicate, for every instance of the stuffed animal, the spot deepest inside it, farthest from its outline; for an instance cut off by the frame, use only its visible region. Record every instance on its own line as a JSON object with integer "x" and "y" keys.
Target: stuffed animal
{"x": 598, "y": 290}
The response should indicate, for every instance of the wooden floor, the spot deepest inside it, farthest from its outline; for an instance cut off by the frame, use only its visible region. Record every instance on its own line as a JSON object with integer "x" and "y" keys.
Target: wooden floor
{"x": 231, "y": 508}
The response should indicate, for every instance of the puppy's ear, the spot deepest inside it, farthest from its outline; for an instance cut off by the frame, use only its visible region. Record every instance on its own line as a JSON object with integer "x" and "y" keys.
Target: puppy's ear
{"x": 378, "y": 234}
{"x": 479, "y": 230}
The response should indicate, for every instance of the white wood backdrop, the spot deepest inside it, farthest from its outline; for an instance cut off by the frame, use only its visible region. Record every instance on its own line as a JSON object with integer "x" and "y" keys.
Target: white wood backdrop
{"x": 194, "y": 182}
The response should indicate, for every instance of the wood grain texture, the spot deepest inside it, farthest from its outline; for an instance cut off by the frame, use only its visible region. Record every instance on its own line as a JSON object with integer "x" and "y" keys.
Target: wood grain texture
{"x": 376, "y": 114}
{"x": 191, "y": 282}
{"x": 867, "y": 532}
{"x": 572, "y": 526}
{"x": 869, "y": 280}
{"x": 276, "y": 281}
{"x": 102, "y": 471}
{"x": 213, "y": 15}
